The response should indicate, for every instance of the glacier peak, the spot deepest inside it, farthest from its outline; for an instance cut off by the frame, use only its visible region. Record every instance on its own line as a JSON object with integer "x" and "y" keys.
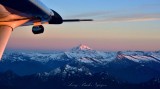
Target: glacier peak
{"x": 81, "y": 47}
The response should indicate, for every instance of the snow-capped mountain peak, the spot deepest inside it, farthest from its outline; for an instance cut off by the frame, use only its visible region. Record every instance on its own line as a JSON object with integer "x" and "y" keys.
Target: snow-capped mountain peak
{"x": 81, "y": 47}
{"x": 84, "y": 47}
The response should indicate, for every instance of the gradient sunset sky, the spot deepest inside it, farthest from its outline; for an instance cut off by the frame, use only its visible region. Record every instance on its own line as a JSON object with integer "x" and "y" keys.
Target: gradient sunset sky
{"x": 118, "y": 25}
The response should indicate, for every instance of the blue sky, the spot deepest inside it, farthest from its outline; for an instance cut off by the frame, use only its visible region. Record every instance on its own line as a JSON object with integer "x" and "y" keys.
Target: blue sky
{"x": 118, "y": 25}
{"x": 118, "y": 7}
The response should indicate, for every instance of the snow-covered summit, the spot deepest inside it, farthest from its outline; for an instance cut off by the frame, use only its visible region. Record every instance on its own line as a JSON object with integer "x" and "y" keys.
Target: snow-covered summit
{"x": 81, "y": 47}
{"x": 85, "y": 54}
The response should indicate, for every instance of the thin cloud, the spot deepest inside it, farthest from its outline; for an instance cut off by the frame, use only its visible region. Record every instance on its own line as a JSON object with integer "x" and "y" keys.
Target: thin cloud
{"x": 91, "y": 14}
{"x": 106, "y": 16}
{"x": 130, "y": 18}
{"x": 147, "y": 6}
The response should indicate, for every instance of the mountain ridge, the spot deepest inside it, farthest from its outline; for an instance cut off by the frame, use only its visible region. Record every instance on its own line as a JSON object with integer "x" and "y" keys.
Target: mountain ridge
{"x": 123, "y": 65}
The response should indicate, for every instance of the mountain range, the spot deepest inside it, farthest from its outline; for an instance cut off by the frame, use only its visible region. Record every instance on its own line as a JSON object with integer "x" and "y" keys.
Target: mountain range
{"x": 81, "y": 67}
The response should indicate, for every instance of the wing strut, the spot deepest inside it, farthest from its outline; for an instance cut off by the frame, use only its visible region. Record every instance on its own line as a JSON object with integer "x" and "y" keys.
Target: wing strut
{"x": 5, "y": 32}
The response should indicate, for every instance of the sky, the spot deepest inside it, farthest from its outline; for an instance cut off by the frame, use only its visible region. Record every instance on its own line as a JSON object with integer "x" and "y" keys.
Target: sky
{"x": 118, "y": 25}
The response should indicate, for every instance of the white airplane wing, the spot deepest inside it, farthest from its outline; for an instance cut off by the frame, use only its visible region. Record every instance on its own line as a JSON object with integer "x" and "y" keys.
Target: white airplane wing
{"x": 14, "y": 13}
